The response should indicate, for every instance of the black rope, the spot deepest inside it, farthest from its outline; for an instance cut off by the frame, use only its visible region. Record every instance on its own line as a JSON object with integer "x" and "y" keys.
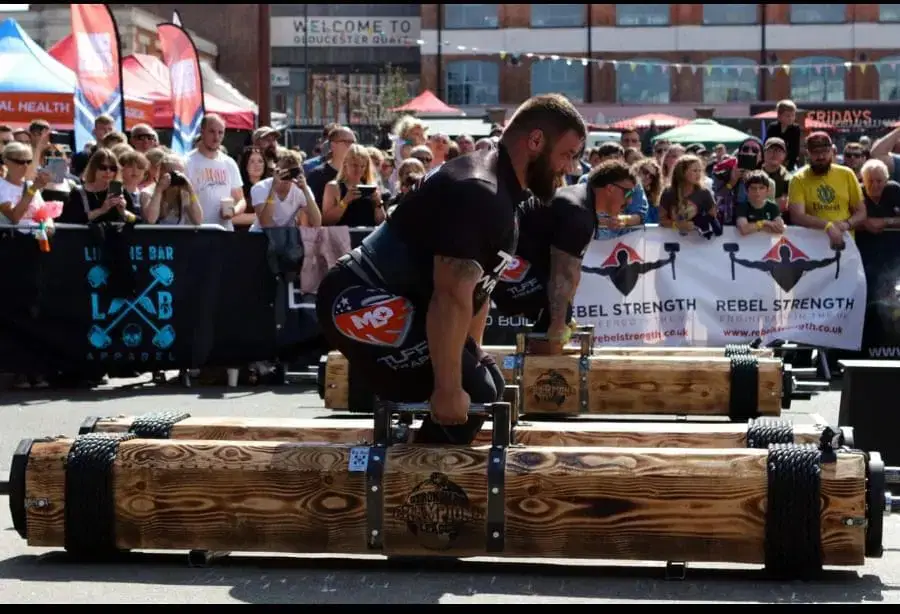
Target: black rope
{"x": 744, "y": 399}
{"x": 793, "y": 543}
{"x": 156, "y": 425}
{"x": 90, "y": 500}
{"x": 735, "y": 349}
{"x": 763, "y": 431}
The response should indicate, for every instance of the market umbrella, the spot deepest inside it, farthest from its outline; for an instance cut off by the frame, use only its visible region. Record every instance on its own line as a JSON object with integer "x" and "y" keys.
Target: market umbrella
{"x": 706, "y": 131}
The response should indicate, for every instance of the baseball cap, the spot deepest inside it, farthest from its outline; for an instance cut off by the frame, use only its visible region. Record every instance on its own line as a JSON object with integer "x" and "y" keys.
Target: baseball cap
{"x": 264, "y": 131}
{"x": 817, "y": 140}
{"x": 775, "y": 142}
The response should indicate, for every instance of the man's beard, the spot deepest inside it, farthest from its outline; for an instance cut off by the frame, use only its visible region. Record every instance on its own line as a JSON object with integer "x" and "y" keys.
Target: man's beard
{"x": 820, "y": 168}
{"x": 540, "y": 178}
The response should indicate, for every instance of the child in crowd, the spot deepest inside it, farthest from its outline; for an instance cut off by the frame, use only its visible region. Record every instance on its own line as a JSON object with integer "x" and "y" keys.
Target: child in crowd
{"x": 759, "y": 213}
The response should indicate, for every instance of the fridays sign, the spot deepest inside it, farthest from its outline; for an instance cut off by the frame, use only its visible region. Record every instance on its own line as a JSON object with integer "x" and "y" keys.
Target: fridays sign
{"x": 656, "y": 287}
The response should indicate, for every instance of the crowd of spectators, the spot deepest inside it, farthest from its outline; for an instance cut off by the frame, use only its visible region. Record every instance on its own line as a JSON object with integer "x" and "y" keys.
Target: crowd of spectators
{"x": 762, "y": 185}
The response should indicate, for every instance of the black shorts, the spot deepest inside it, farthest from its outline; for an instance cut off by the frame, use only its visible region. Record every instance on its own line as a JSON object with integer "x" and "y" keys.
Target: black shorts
{"x": 383, "y": 337}
{"x": 526, "y": 297}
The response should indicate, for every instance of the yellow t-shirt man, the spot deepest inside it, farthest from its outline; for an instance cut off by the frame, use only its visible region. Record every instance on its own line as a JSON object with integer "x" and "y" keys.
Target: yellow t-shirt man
{"x": 832, "y": 197}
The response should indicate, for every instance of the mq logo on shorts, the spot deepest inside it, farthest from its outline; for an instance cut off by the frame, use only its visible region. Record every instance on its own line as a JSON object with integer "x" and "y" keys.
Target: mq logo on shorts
{"x": 372, "y": 316}
{"x": 515, "y": 271}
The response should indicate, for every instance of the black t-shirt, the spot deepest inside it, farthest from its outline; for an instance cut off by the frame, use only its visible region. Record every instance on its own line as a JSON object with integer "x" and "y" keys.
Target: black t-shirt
{"x": 889, "y": 203}
{"x": 566, "y": 223}
{"x": 767, "y": 213}
{"x": 318, "y": 178}
{"x": 782, "y": 178}
{"x": 791, "y": 137}
{"x": 466, "y": 209}
{"x": 75, "y": 209}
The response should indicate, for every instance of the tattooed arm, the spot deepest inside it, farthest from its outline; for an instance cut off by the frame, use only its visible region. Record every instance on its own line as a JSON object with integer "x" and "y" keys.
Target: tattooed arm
{"x": 449, "y": 318}
{"x": 565, "y": 273}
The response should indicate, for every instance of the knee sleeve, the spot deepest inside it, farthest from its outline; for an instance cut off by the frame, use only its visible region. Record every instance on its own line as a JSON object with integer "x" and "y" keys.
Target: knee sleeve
{"x": 493, "y": 370}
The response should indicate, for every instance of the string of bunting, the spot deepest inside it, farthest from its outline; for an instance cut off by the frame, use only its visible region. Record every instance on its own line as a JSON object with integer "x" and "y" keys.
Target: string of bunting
{"x": 678, "y": 67}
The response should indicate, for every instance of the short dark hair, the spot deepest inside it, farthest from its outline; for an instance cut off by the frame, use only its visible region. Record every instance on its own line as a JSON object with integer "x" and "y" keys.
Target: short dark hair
{"x": 758, "y": 176}
{"x": 38, "y": 125}
{"x": 610, "y": 148}
{"x": 551, "y": 113}
{"x": 609, "y": 172}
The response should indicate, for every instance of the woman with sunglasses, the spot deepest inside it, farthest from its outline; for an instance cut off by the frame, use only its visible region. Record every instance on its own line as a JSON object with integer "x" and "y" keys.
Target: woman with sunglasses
{"x": 19, "y": 197}
{"x": 101, "y": 198}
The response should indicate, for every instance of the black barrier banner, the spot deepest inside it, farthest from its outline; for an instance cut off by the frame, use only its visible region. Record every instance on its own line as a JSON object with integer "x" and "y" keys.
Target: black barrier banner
{"x": 119, "y": 299}
{"x": 880, "y": 255}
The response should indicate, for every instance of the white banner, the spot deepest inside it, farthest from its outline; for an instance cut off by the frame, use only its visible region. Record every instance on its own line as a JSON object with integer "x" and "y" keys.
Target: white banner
{"x": 656, "y": 287}
{"x": 345, "y": 31}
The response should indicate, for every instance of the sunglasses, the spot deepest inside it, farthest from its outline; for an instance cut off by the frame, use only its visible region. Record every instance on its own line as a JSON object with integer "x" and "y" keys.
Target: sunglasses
{"x": 626, "y": 192}
{"x": 853, "y": 154}
{"x": 749, "y": 150}
{"x": 424, "y": 159}
{"x": 108, "y": 169}
{"x": 22, "y": 162}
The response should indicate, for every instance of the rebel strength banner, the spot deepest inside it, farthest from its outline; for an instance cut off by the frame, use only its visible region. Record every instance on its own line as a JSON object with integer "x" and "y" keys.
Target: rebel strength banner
{"x": 656, "y": 287}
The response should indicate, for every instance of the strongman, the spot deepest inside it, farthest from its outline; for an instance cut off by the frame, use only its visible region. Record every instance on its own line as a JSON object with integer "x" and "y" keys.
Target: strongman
{"x": 406, "y": 306}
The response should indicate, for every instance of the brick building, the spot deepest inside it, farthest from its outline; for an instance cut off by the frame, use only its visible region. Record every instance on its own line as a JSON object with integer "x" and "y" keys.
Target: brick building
{"x": 618, "y": 60}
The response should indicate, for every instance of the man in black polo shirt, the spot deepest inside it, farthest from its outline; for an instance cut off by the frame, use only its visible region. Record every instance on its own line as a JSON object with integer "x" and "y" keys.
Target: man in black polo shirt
{"x": 541, "y": 282}
{"x": 405, "y": 307}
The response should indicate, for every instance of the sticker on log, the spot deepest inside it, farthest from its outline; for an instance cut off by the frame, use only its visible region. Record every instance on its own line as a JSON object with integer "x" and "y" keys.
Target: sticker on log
{"x": 739, "y": 506}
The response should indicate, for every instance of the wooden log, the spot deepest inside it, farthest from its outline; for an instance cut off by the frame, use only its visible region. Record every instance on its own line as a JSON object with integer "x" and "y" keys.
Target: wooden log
{"x": 638, "y": 434}
{"x": 642, "y": 385}
{"x": 337, "y": 378}
{"x": 627, "y": 384}
{"x": 607, "y": 503}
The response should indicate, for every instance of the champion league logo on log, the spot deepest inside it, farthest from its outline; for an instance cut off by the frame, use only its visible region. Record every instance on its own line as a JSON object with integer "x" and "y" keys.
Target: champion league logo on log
{"x": 624, "y": 266}
{"x": 436, "y": 511}
{"x": 785, "y": 262}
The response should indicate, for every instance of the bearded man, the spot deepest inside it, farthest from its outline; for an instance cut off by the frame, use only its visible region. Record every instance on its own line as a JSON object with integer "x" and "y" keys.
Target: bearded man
{"x": 825, "y": 195}
{"x": 406, "y": 306}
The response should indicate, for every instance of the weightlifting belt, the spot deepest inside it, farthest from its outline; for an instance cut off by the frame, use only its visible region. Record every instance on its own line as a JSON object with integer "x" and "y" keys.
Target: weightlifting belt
{"x": 383, "y": 260}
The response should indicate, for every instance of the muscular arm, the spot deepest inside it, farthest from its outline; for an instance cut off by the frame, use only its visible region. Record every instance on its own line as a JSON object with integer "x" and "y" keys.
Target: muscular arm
{"x": 565, "y": 273}
{"x": 449, "y": 317}
{"x": 479, "y": 322}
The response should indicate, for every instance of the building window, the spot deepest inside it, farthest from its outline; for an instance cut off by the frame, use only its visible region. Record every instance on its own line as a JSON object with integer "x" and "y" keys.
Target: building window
{"x": 558, "y": 77}
{"x": 817, "y": 79}
{"x": 558, "y": 15}
{"x": 730, "y": 14}
{"x": 730, "y": 80}
{"x": 470, "y": 16}
{"x": 471, "y": 82}
{"x": 889, "y": 79}
{"x": 643, "y": 80}
{"x": 642, "y": 14}
{"x": 889, "y": 12}
{"x": 818, "y": 13}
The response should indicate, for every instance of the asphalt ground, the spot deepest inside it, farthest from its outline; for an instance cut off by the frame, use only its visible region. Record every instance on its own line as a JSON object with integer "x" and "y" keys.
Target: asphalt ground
{"x": 34, "y": 575}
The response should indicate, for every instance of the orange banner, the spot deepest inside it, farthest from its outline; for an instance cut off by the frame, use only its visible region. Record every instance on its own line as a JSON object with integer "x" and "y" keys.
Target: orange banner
{"x": 18, "y": 107}
{"x": 138, "y": 112}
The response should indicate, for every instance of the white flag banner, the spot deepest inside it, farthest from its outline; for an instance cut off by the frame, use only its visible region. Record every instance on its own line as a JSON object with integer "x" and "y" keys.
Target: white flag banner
{"x": 656, "y": 287}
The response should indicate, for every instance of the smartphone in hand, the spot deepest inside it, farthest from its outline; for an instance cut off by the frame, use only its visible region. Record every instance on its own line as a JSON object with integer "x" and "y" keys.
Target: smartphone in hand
{"x": 115, "y": 188}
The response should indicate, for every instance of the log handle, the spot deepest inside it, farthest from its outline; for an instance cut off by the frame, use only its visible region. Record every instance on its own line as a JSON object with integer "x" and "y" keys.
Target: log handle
{"x": 501, "y": 415}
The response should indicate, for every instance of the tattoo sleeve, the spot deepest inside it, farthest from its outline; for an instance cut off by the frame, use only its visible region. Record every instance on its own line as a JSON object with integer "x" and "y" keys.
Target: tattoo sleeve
{"x": 463, "y": 270}
{"x": 565, "y": 273}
